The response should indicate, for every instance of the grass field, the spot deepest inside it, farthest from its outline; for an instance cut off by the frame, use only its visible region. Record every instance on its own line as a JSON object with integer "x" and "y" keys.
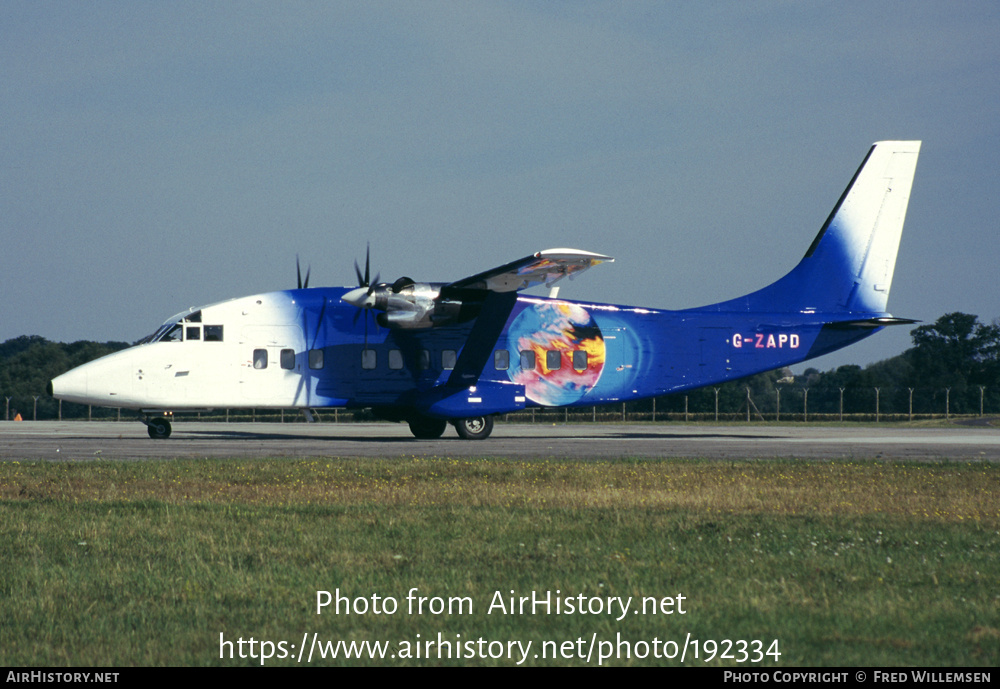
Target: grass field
{"x": 826, "y": 563}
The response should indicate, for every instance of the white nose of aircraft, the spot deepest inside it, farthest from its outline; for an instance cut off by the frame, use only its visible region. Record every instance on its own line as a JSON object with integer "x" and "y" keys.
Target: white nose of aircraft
{"x": 106, "y": 381}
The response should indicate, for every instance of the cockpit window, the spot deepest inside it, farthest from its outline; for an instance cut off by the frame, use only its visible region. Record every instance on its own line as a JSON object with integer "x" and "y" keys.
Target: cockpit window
{"x": 173, "y": 334}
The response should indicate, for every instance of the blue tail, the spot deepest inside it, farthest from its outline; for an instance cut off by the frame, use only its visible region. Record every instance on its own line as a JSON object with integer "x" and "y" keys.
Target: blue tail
{"x": 847, "y": 270}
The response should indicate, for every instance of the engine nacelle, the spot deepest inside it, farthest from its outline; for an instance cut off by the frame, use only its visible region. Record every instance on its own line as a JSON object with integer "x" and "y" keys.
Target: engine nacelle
{"x": 418, "y": 305}
{"x": 409, "y": 305}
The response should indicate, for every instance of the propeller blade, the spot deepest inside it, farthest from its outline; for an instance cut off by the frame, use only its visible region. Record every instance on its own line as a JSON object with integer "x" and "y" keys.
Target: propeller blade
{"x": 319, "y": 323}
{"x": 298, "y": 274}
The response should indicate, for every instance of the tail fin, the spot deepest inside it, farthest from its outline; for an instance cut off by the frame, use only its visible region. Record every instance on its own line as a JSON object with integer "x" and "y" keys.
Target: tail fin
{"x": 848, "y": 268}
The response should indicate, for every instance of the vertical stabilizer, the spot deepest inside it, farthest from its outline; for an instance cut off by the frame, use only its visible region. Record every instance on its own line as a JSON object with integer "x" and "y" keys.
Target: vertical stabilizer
{"x": 849, "y": 266}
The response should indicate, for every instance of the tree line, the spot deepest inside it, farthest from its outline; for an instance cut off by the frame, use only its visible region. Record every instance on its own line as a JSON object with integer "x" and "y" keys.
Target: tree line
{"x": 953, "y": 367}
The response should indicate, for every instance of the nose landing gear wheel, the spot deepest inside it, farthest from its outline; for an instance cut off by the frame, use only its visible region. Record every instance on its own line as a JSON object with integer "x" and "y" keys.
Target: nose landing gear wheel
{"x": 475, "y": 428}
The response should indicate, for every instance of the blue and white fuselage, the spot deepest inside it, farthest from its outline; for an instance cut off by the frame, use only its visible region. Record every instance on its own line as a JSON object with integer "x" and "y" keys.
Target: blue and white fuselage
{"x": 463, "y": 351}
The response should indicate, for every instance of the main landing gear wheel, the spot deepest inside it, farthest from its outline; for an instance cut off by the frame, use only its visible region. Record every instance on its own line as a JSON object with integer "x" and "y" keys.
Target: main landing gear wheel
{"x": 475, "y": 428}
{"x": 158, "y": 428}
{"x": 426, "y": 428}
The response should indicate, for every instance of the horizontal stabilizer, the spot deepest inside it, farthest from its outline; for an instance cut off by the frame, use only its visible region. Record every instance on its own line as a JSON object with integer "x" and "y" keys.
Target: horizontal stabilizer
{"x": 872, "y": 323}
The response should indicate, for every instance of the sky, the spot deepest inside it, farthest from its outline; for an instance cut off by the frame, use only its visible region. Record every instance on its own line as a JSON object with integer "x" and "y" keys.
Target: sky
{"x": 158, "y": 156}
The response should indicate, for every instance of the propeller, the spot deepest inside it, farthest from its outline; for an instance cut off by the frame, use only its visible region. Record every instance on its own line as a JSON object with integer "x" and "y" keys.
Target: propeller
{"x": 363, "y": 296}
{"x": 303, "y": 393}
{"x": 298, "y": 273}
{"x": 403, "y": 304}
{"x": 366, "y": 280}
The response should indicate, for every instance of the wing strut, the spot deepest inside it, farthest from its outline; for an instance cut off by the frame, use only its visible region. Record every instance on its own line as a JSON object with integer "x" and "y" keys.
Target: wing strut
{"x": 476, "y": 352}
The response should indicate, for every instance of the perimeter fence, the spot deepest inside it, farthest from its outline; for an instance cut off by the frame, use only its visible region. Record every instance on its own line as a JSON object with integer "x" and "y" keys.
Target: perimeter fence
{"x": 730, "y": 403}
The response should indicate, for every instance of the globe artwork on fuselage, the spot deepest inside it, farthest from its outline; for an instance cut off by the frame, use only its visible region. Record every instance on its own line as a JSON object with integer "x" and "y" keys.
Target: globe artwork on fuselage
{"x": 555, "y": 326}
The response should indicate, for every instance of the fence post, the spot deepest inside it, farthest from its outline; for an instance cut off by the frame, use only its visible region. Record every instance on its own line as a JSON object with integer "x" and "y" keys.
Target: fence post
{"x": 841, "y": 405}
{"x": 716, "y": 404}
{"x": 876, "y": 405}
{"x": 947, "y": 403}
{"x": 654, "y": 408}
{"x": 685, "y": 408}
{"x": 805, "y": 404}
{"x": 6, "y": 409}
{"x": 623, "y": 411}
{"x": 777, "y": 404}
{"x": 911, "y": 403}
{"x": 60, "y": 410}
{"x": 34, "y": 409}
{"x": 748, "y": 404}
{"x": 982, "y": 390}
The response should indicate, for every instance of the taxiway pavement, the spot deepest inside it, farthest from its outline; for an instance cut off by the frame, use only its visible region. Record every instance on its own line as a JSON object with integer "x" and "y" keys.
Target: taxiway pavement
{"x": 78, "y": 440}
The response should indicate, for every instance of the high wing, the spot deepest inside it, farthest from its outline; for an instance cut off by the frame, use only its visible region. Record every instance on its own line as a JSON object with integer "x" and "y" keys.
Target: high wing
{"x": 543, "y": 267}
{"x": 410, "y": 305}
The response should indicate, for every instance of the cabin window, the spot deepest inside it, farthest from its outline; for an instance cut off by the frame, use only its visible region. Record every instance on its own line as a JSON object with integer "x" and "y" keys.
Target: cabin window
{"x": 395, "y": 359}
{"x": 553, "y": 360}
{"x": 501, "y": 360}
{"x": 193, "y": 333}
{"x": 579, "y": 360}
{"x": 213, "y": 333}
{"x": 423, "y": 359}
{"x": 448, "y": 359}
{"x": 368, "y": 359}
{"x": 527, "y": 360}
{"x": 315, "y": 359}
{"x": 288, "y": 359}
{"x": 260, "y": 358}
{"x": 193, "y": 317}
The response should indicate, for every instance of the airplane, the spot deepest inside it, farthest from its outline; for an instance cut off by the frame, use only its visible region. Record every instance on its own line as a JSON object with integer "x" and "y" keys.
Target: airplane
{"x": 461, "y": 352}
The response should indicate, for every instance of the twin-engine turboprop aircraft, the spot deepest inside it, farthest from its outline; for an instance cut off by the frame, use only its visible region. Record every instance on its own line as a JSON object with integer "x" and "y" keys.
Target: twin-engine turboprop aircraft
{"x": 437, "y": 353}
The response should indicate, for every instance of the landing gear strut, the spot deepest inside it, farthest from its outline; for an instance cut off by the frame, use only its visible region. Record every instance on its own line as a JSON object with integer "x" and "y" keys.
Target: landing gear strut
{"x": 474, "y": 428}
